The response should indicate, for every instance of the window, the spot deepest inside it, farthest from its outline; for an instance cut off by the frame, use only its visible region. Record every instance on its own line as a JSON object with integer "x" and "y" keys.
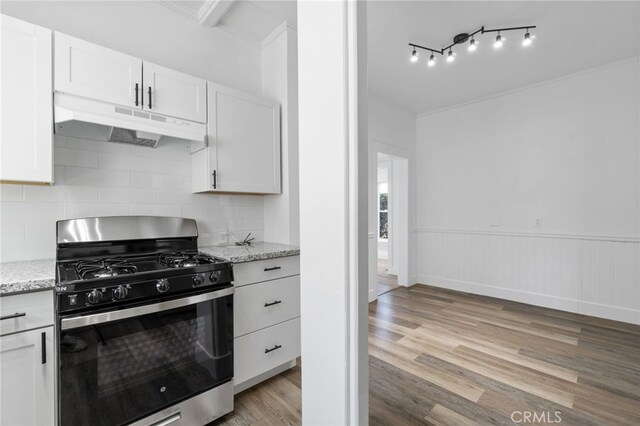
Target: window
{"x": 383, "y": 212}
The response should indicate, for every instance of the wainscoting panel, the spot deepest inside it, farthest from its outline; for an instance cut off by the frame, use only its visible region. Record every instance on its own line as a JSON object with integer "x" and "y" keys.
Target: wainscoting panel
{"x": 597, "y": 276}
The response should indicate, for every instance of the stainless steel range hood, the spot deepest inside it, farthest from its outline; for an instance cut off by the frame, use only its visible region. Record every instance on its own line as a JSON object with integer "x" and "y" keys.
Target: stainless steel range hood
{"x": 90, "y": 119}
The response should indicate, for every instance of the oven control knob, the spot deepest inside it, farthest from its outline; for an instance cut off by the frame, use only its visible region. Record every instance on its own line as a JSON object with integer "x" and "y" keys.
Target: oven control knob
{"x": 198, "y": 280}
{"x": 94, "y": 296}
{"x": 120, "y": 292}
{"x": 214, "y": 277}
{"x": 162, "y": 285}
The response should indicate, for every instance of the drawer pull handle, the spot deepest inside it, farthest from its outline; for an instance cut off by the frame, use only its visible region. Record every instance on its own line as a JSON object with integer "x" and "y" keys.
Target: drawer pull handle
{"x": 272, "y": 269}
{"x": 276, "y": 347}
{"x": 16, "y": 315}
{"x": 44, "y": 347}
{"x": 275, "y": 302}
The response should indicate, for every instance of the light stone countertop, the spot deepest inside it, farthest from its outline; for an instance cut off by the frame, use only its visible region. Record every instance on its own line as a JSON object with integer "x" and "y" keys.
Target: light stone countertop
{"x": 28, "y": 275}
{"x": 34, "y": 275}
{"x": 256, "y": 251}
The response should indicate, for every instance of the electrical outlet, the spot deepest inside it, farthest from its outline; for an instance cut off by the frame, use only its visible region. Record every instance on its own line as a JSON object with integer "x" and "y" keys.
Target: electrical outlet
{"x": 223, "y": 237}
{"x": 537, "y": 222}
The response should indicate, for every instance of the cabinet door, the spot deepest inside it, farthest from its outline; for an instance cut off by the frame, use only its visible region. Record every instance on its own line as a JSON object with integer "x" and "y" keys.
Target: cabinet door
{"x": 244, "y": 138}
{"x": 26, "y": 121}
{"x": 27, "y": 378}
{"x": 92, "y": 71}
{"x": 174, "y": 93}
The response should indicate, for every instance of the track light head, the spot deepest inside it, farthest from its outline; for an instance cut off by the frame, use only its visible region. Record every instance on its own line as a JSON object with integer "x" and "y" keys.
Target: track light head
{"x": 414, "y": 55}
{"x": 527, "y": 39}
{"x": 450, "y": 56}
{"x": 472, "y": 45}
{"x": 499, "y": 41}
{"x": 432, "y": 60}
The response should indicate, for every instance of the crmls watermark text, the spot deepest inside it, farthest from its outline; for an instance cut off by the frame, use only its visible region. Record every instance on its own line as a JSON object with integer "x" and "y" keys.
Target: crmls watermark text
{"x": 536, "y": 417}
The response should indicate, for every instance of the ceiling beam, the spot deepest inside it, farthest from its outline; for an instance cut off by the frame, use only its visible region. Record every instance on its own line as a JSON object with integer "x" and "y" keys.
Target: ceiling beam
{"x": 212, "y": 11}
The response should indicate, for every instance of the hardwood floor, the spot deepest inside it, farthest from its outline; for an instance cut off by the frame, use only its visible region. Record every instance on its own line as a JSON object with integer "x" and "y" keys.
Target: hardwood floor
{"x": 450, "y": 358}
{"x": 386, "y": 281}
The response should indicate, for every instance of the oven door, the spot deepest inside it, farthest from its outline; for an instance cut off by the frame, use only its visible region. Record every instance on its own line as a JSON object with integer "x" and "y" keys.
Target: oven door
{"x": 122, "y": 365}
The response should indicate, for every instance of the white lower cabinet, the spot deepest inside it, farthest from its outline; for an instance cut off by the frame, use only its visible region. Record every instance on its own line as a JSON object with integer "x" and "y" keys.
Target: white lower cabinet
{"x": 266, "y": 319}
{"x": 27, "y": 378}
{"x": 264, "y": 350}
{"x": 27, "y": 359}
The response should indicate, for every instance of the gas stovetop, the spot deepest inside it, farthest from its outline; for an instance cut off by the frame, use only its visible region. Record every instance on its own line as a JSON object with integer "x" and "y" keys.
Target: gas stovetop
{"x": 111, "y": 262}
{"x": 94, "y": 270}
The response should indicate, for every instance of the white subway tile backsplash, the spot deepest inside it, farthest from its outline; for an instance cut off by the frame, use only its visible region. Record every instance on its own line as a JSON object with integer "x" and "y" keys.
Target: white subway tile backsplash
{"x": 76, "y": 210}
{"x": 31, "y": 211}
{"x": 97, "y": 177}
{"x": 111, "y": 161}
{"x": 10, "y": 192}
{"x": 12, "y": 230}
{"x": 156, "y": 209}
{"x": 172, "y": 167}
{"x": 176, "y": 197}
{"x": 104, "y": 179}
{"x": 59, "y": 175}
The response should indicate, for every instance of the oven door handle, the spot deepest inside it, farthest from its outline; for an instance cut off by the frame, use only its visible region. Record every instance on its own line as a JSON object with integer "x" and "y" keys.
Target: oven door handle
{"x": 85, "y": 320}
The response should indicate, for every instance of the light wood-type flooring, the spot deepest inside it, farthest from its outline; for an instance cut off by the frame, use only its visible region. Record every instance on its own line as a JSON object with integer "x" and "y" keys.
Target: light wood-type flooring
{"x": 450, "y": 358}
{"x": 386, "y": 281}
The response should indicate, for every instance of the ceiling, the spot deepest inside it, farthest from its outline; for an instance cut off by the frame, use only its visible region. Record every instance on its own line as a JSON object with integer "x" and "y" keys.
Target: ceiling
{"x": 252, "y": 20}
{"x": 571, "y": 36}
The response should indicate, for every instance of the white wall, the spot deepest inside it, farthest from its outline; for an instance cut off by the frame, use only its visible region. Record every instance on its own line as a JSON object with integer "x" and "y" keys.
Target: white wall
{"x": 280, "y": 83}
{"x": 391, "y": 131}
{"x": 567, "y": 152}
{"x": 153, "y": 32}
{"x": 97, "y": 179}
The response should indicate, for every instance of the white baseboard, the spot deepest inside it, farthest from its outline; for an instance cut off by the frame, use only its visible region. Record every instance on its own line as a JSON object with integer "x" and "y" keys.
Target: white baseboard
{"x": 537, "y": 299}
{"x": 372, "y": 294}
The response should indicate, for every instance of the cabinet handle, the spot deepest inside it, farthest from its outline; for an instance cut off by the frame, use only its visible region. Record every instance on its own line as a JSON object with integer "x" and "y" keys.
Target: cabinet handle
{"x": 266, "y": 351}
{"x": 137, "y": 103}
{"x": 275, "y": 268}
{"x": 16, "y": 315}
{"x": 275, "y": 302}
{"x": 149, "y": 97}
{"x": 44, "y": 347}
{"x": 215, "y": 179}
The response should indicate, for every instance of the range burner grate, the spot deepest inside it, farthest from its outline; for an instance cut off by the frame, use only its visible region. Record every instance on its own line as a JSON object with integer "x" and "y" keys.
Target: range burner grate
{"x": 88, "y": 269}
{"x": 185, "y": 259}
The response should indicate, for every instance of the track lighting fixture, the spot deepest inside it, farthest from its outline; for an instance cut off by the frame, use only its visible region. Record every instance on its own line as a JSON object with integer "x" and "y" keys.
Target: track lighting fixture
{"x": 414, "y": 55}
{"x": 450, "y": 56}
{"x": 473, "y": 44}
{"x": 499, "y": 41}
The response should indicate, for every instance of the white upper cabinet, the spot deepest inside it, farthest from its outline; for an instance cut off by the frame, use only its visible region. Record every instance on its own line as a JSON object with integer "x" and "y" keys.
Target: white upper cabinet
{"x": 244, "y": 145}
{"x": 92, "y": 71}
{"x": 26, "y": 121}
{"x": 174, "y": 93}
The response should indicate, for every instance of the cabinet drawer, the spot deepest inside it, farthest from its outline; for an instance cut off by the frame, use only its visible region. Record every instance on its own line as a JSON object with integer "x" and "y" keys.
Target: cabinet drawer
{"x": 263, "y": 270}
{"x": 250, "y": 359}
{"x": 37, "y": 308}
{"x": 261, "y": 305}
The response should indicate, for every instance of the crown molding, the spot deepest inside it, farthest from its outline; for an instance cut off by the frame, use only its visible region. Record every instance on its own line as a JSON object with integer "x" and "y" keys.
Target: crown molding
{"x": 587, "y": 71}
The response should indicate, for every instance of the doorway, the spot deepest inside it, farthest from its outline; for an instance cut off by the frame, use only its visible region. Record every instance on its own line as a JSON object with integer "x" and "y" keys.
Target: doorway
{"x": 391, "y": 235}
{"x": 387, "y": 278}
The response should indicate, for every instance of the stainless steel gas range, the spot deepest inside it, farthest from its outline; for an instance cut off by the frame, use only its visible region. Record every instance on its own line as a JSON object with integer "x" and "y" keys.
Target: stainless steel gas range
{"x": 145, "y": 324}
